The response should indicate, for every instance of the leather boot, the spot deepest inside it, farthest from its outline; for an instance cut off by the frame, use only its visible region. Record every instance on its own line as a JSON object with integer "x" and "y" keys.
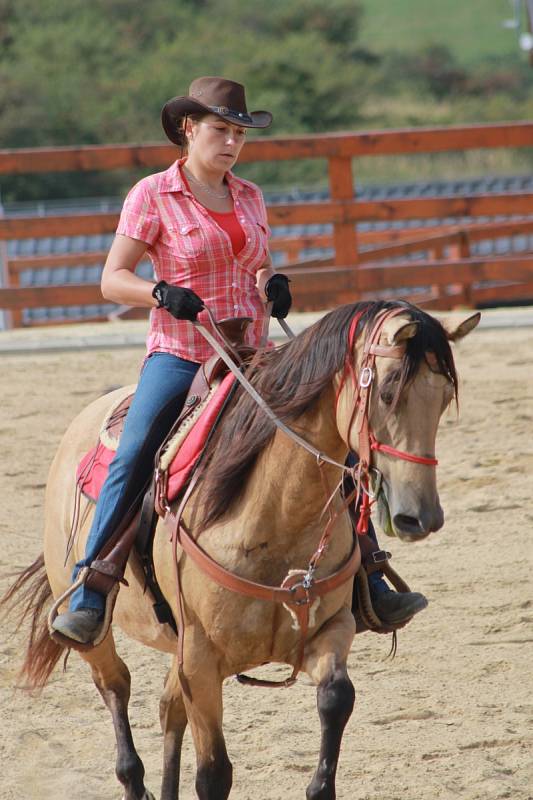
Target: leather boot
{"x": 396, "y": 607}
{"x": 81, "y": 626}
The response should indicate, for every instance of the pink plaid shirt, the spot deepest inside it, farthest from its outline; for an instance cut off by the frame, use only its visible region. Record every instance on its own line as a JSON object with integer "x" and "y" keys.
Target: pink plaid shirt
{"x": 188, "y": 248}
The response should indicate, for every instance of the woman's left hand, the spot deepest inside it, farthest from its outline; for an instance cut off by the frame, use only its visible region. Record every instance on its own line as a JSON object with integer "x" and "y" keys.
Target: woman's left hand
{"x": 277, "y": 291}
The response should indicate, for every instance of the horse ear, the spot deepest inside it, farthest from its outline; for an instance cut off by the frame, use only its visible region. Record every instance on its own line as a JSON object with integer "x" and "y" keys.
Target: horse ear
{"x": 456, "y": 331}
{"x": 406, "y": 330}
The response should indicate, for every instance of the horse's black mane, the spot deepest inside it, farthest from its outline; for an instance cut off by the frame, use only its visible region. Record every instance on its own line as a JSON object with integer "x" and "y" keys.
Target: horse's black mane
{"x": 291, "y": 379}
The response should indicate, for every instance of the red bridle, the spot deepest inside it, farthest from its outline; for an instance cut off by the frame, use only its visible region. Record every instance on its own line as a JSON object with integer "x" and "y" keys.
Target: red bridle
{"x": 360, "y": 414}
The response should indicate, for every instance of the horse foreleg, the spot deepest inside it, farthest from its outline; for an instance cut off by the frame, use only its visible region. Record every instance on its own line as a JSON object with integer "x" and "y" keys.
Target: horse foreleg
{"x": 112, "y": 679}
{"x": 325, "y": 663}
{"x": 204, "y": 712}
{"x": 173, "y": 723}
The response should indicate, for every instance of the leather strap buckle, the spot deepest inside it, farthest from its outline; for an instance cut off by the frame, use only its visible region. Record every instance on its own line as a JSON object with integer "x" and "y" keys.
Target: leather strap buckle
{"x": 365, "y": 378}
{"x": 297, "y": 589}
{"x": 379, "y": 556}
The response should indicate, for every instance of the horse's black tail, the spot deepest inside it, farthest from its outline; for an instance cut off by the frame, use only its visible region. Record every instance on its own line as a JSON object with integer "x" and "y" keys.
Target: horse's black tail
{"x": 30, "y": 595}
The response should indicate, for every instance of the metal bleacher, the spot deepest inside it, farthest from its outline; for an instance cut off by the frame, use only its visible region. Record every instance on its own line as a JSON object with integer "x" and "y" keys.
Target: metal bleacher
{"x": 100, "y": 243}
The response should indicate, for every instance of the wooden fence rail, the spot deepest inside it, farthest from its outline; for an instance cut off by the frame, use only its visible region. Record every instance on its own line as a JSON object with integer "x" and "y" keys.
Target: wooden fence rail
{"x": 341, "y": 213}
{"x": 360, "y": 264}
{"x": 314, "y": 279}
{"x": 384, "y": 244}
{"x": 329, "y": 145}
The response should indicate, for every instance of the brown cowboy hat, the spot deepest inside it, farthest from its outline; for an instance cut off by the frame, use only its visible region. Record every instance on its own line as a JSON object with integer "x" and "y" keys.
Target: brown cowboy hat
{"x": 211, "y": 95}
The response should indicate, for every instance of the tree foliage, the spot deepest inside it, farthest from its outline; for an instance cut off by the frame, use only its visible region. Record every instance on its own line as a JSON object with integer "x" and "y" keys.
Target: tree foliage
{"x": 74, "y": 72}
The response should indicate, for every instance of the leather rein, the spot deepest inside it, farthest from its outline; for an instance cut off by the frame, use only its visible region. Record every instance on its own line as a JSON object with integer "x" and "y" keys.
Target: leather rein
{"x": 301, "y": 588}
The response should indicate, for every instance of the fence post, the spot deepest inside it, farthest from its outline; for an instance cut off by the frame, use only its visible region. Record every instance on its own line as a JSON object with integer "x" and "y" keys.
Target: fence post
{"x": 436, "y": 254}
{"x": 6, "y": 317}
{"x": 461, "y": 250}
{"x": 341, "y": 187}
{"x": 292, "y": 252}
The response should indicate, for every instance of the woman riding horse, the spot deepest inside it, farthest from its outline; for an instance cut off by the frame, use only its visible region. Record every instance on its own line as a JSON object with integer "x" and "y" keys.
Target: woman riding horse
{"x": 257, "y": 573}
{"x": 206, "y": 233}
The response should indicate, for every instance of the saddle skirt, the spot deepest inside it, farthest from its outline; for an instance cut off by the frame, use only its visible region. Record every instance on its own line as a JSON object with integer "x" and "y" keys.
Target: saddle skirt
{"x": 179, "y": 454}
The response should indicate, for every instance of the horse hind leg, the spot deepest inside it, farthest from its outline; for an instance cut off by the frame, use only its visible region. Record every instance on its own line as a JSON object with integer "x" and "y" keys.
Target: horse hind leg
{"x": 325, "y": 663}
{"x": 112, "y": 679}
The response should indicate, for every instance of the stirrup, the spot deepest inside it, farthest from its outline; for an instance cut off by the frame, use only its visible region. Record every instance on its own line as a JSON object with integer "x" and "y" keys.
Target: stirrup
{"x": 365, "y": 616}
{"x": 72, "y": 644}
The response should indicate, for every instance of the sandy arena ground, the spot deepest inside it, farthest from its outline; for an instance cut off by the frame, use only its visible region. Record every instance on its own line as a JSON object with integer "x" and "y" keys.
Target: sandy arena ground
{"x": 450, "y": 717}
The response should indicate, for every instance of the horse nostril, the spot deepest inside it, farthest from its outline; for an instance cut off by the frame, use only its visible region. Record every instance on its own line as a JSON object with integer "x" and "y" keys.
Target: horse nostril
{"x": 407, "y": 524}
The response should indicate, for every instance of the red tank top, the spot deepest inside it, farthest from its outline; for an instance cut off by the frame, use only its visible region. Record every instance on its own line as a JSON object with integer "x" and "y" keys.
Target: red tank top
{"x": 227, "y": 220}
{"x": 230, "y": 224}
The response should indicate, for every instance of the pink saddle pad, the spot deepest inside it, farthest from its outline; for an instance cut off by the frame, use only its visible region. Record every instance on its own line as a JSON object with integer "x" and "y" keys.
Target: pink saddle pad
{"x": 94, "y": 466}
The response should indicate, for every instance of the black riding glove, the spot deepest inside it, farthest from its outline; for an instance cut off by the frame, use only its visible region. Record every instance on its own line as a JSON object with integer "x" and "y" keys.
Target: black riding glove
{"x": 182, "y": 303}
{"x": 277, "y": 290}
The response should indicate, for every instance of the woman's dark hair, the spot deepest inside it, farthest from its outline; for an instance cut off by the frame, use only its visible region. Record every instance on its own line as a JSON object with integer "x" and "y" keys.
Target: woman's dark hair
{"x": 183, "y": 125}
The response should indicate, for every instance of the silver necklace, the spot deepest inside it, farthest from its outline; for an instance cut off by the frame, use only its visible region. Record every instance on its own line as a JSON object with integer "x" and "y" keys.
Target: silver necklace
{"x": 205, "y": 187}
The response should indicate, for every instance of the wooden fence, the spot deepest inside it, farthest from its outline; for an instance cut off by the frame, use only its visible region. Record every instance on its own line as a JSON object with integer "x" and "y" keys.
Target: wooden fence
{"x": 445, "y": 274}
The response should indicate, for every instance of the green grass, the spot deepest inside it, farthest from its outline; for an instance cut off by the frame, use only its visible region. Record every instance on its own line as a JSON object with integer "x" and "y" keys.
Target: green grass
{"x": 442, "y": 166}
{"x": 472, "y": 29}
{"x": 407, "y": 111}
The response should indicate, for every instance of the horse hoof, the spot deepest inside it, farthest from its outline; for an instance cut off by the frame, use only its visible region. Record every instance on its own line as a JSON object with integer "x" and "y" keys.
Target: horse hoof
{"x": 146, "y": 796}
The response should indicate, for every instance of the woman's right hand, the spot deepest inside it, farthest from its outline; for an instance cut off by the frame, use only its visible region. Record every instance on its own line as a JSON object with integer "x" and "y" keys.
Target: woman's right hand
{"x": 278, "y": 293}
{"x": 179, "y": 301}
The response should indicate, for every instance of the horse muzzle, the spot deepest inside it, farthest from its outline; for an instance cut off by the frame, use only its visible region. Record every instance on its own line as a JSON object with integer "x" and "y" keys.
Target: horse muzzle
{"x": 412, "y": 528}
{"x": 410, "y": 522}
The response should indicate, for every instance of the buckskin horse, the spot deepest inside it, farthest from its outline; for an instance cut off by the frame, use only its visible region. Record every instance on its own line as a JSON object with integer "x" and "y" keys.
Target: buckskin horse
{"x": 373, "y": 378}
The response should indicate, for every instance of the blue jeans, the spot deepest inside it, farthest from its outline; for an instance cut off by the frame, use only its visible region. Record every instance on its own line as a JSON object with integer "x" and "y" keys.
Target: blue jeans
{"x": 163, "y": 385}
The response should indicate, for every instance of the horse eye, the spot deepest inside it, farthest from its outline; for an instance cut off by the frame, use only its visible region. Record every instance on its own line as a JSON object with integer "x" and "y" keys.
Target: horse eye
{"x": 388, "y": 388}
{"x": 387, "y": 396}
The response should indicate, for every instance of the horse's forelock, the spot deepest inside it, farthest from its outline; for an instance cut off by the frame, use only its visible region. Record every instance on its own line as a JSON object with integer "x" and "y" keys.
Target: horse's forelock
{"x": 430, "y": 340}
